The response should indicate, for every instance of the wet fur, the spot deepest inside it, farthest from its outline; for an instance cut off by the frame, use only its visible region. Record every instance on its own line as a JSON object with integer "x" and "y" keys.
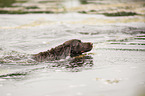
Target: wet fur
{"x": 71, "y": 48}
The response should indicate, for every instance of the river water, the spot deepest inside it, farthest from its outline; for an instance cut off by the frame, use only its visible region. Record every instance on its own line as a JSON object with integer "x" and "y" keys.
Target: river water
{"x": 115, "y": 66}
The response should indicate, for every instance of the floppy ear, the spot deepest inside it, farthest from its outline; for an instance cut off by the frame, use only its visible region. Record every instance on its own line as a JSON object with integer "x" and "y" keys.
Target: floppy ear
{"x": 76, "y": 48}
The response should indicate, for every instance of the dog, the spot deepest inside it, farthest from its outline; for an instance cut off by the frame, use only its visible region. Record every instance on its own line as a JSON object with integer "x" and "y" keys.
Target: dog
{"x": 70, "y": 48}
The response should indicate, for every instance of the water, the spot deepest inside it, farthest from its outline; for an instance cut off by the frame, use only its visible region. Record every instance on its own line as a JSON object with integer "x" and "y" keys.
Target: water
{"x": 115, "y": 66}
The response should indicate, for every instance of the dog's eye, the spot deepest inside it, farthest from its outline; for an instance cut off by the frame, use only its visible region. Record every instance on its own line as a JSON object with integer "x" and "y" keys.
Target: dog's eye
{"x": 79, "y": 41}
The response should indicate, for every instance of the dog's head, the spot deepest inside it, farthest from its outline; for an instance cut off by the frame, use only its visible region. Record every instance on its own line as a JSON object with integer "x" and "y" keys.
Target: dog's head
{"x": 77, "y": 47}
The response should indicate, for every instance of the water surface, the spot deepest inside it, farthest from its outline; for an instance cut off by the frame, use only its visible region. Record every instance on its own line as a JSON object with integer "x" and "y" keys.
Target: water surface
{"x": 115, "y": 66}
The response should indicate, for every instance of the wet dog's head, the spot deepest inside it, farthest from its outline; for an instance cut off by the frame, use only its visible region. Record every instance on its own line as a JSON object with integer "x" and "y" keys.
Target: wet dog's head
{"x": 77, "y": 47}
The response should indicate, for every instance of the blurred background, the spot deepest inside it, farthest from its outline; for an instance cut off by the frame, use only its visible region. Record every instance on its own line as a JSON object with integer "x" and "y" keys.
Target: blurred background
{"x": 106, "y": 7}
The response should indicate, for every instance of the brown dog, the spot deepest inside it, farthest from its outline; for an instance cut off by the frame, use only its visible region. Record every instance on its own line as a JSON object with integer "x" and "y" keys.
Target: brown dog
{"x": 71, "y": 48}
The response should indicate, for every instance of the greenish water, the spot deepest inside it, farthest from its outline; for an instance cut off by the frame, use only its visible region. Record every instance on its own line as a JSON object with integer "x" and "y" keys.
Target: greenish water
{"x": 6, "y": 3}
{"x": 107, "y": 8}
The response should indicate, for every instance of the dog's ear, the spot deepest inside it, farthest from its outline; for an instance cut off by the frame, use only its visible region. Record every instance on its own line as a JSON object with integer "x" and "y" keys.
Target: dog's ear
{"x": 76, "y": 48}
